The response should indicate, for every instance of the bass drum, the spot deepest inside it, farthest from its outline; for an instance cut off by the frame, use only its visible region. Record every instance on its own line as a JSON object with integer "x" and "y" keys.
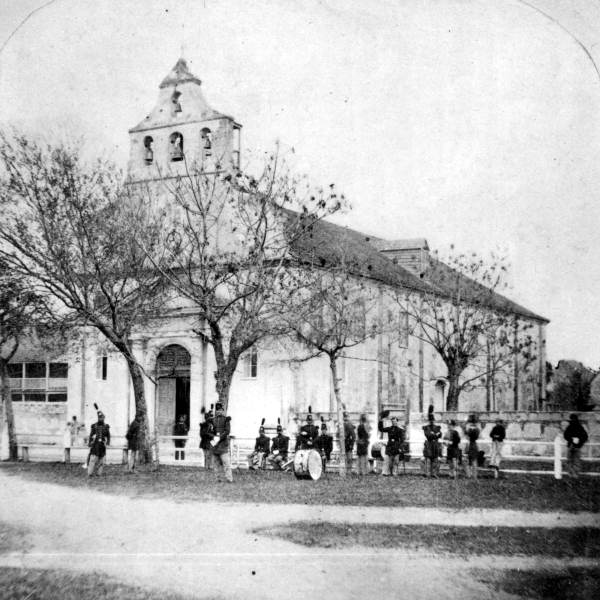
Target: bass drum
{"x": 378, "y": 450}
{"x": 307, "y": 464}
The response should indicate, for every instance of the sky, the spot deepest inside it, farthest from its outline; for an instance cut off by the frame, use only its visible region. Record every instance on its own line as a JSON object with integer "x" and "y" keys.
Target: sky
{"x": 466, "y": 122}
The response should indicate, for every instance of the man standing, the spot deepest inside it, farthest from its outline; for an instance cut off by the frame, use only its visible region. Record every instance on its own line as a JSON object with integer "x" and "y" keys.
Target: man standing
{"x": 324, "y": 444}
{"x": 180, "y": 430}
{"x": 220, "y": 441}
{"x": 256, "y": 459}
{"x": 576, "y": 437}
{"x": 279, "y": 448}
{"x": 132, "y": 437}
{"x": 431, "y": 448}
{"x": 206, "y": 435}
{"x": 99, "y": 439}
{"x": 453, "y": 452}
{"x": 349, "y": 439}
{"x": 362, "y": 445}
{"x": 497, "y": 434}
{"x": 393, "y": 448}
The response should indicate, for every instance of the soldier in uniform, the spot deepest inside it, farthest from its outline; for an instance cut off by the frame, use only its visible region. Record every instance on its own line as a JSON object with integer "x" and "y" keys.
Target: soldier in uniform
{"x": 362, "y": 445}
{"x": 453, "y": 452}
{"x": 256, "y": 459}
{"x": 206, "y": 435}
{"x": 497, "y": 434}
{"x": 472, "y": 433}
{"x": 393, "y": 448}
{"x": 98, "y": 440}
{"x": 349, "y": 439}
{"x": 431, "y": 448}
{"x": 220, "y": 441}
{"x": 279, "y": 448}
{"x": 308, "y": 434}
{"x": 324, "y": 444}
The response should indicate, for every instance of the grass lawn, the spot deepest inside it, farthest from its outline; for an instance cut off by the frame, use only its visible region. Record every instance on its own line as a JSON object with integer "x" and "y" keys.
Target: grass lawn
{"x": 520, "y": 492}
{"x": 41, "y": 584}
{"x": 565, "y": 584}
{"x": 439, "y": 539}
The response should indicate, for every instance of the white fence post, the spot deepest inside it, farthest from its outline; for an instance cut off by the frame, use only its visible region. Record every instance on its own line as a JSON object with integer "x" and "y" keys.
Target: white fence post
{"x": 557, "y": 457}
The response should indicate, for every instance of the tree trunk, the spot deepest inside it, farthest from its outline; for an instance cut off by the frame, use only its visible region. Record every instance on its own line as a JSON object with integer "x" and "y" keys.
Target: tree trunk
{"x": 141, "y": 409}
{"x": 224, "y": 376}
{"x": 340, "y": 413}
{"x": 13, "y": 449}
{"x": 453, "y": 393}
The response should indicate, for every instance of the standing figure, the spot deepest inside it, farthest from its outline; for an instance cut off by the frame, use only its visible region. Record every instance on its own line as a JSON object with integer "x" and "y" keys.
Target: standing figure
{"x": 431, "y": 448}
{"x": 394, "y": 446}
{"x": 132, "y": 436}
{"x": 497, "y": 434}
{"x": 324, "y": 444}
{"x": 453, "y": 452}
{"x": 180, "y": 429}
{"x": 279, "y": 448}
{"x": 256, "y": 459}
{"x": 362, "y": 445}
{"x": 206, "y": 435}
{"x": 220, "y": 441}
{"x": 98, "y": 440}
{"x": 308, "y": 433}
{"x": 349, "y": 439}
{"x": 472, "y": 433}
{"x": 576, "y": 437}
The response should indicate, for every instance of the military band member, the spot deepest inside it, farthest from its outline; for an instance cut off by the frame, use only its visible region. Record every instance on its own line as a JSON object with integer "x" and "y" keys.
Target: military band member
{"x": 256, "y": 459}
{"x": 472, "y": 433}
{"x": 393, "y": 448}
{"x": 349, "y": 439}
{"x": 279, "y": 448}
{"x": 220, "y": 441}
{"x": 98, "y": 440}
{"x": 180, "y": 429}
{"x": 453, "y": 452}
{"x": 308, "y": 434}
{"x": 362, "y": 445}
{"x": 324, "y": 444}
{"x": 431, "y": 448}
{"x": 132, "y": 437}
{"x": 206, "y": 435}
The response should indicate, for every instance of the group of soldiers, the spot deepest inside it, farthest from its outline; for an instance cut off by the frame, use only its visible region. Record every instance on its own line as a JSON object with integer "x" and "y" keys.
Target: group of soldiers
{"x": 215, "y": 432}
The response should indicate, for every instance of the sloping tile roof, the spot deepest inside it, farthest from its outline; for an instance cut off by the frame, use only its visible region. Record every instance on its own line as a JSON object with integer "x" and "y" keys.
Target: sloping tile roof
{"x": 328, "y": 244}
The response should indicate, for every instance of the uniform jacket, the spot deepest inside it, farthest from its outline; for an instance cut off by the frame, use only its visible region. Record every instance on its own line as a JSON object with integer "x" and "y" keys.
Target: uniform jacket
{"x": 349, "y": 436}
{"x": 395, "y": 438}
{"x": 180, "y": 429}
{"x": 575, "y": 430}
{"x": 362, "y": 443}
{"x": 99, "y": 438}
{"x": 307, "y": 436}
{"x": 281, "y": 443}
{"x": 262, "y": 444}
{"x": 498, "y": 433}
{"x": 206, "y": 434}
{"x": 324, "y": 444}
{"x": 222, "y": 429}
{"x": 132, "y": 435}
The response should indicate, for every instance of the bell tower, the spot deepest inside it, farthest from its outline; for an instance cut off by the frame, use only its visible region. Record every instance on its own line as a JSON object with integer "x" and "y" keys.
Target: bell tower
{"x": 182, "y": 134}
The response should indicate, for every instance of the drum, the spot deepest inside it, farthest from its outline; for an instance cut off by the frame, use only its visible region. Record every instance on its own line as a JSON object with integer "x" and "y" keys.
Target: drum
{"x": 307, "y": 464}
{"x": 378, "y": 450}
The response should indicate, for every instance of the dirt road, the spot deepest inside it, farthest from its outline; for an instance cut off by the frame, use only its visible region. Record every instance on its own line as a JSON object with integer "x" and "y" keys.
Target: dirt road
{"x": 206, "y": 550}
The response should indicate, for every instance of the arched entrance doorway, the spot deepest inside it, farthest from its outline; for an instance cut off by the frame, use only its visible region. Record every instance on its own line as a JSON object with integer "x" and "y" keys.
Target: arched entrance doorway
{"x": 173, "y": 398}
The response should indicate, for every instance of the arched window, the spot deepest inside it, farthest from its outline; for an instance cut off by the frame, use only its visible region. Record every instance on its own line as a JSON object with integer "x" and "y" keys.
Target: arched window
{"x": 175, "y": 101}
{"x": 176, "y": 146}
{"x": 206, "y": 135}
{"x": 148, "y": 152}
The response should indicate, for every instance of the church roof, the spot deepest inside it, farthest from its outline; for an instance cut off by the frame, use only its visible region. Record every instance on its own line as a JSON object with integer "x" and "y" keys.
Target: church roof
{"x": 327, "y": 244}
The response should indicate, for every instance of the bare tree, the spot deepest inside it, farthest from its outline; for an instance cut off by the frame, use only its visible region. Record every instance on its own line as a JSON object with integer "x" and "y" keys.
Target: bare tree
{"x": 227, "y": 251}
{"x": 477, "y": 332}
{"x": 336, "y": 308}
{"x": 72, "y": 229}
